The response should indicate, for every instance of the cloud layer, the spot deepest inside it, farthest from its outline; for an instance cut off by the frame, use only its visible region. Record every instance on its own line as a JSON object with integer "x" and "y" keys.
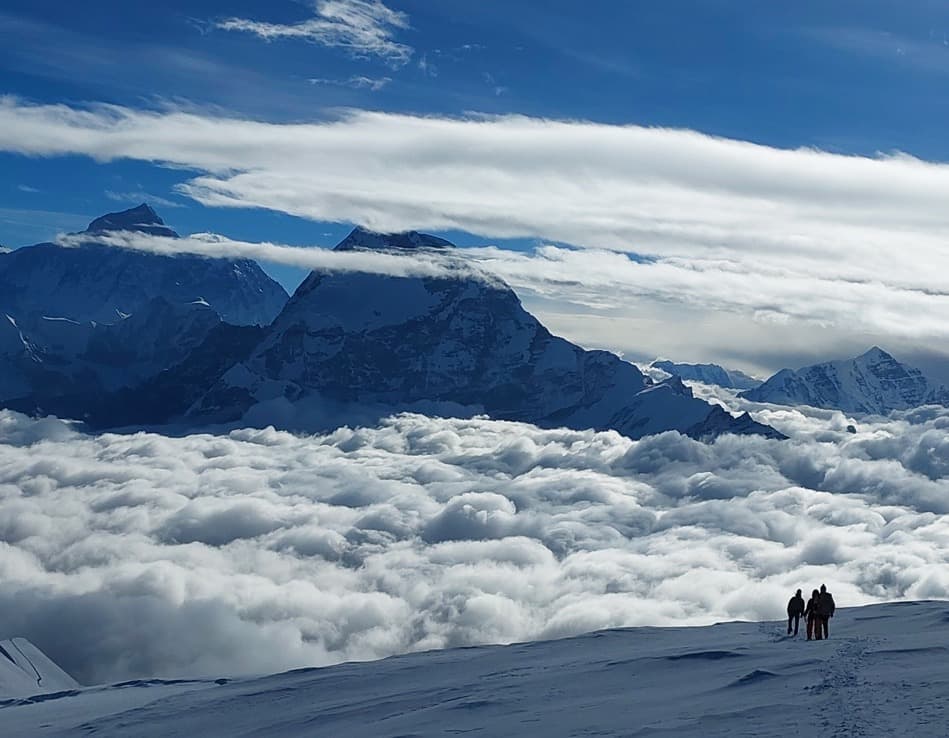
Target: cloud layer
{"x": 606, "y": 282}
{"x": 361, "y": 27}
{"x": 142, "y": 554}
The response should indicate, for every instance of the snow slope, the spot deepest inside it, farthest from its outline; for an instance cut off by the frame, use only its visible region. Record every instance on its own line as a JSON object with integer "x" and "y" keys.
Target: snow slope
{"x": 882, "y": 673}
{"x": 873, "y": 382}
{"x": 25, "y": 671}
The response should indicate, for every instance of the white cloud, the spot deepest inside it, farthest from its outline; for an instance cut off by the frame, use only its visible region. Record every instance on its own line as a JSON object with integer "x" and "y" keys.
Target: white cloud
{"x": 373, "y": 84}
{"x": 362, "y": 27}
{"x": 27, "y": 188}
{"x": 606, "y": 282}
{"x": 138, "y": 196}
{"x": 133, "y": 555}
{"x": 426, "y": 67}
{"x": 763, "y": 246}
{"x": 216, "y": 246}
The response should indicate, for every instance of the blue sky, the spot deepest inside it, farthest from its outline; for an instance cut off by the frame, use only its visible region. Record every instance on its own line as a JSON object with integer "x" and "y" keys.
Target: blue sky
{"x": 846, "y": 77}
{"x": 814, "y": 74}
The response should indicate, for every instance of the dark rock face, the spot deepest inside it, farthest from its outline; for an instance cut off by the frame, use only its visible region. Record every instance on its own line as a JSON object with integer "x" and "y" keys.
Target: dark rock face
{"x": 141, "y": 218}
{"x": 874, "y": 382}
{"x": 155, "y": 400}
{"x": 364, "y": 239}
{"x": 63, "y": 359}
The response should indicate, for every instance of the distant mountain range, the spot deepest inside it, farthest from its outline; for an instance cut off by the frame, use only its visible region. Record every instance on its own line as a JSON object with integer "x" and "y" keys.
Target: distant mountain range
{"x": 708, "y": 374}
{"x": 119, "y": 337}
{"x": 124, "y": 338}
{"x": 873, "y": 382}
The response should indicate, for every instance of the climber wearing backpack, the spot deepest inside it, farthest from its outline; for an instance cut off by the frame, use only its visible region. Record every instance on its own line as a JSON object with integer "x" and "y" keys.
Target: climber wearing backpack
{"x": 812, "y": 618}
{"x": 825, "y": 610}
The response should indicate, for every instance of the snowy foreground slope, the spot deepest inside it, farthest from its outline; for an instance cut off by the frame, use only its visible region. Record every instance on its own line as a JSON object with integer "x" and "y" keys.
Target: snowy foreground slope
{"x": 883, "y": 673}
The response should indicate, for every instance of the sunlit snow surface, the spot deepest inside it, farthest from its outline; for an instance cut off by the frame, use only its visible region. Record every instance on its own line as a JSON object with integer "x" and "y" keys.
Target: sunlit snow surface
{"x": 139, "y": 556}
{"x": 882, "y": 673}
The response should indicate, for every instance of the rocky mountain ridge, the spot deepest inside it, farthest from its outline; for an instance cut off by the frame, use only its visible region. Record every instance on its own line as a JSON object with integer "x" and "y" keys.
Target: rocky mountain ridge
{"x": 874, "y": 382}
{"x": 458, "y": 345}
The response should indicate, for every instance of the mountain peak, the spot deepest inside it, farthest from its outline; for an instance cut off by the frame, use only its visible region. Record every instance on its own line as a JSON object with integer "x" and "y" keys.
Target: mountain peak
{"x": 873, "y": 382}
{"x": 364, "y": 239}
{"x": 141, "y": 218}
{"x": 876, "y": 354}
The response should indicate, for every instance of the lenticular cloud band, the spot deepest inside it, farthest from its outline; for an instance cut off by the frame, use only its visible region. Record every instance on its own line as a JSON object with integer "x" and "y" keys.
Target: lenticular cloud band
{"x": 661, "y": 191}
{"x": 135, "y": 555}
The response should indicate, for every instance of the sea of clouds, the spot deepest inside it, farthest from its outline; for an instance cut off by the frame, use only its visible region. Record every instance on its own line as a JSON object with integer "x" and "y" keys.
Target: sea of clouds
{"x": 257, "y": 550}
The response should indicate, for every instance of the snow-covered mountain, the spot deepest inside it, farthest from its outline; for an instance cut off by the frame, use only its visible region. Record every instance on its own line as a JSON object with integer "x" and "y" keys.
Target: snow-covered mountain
{"x": 158, "y": 335}
{"x": 92, "y": 282}
{"x": 456, "y": 344}
{"x": 708, "y": 374}
{"x": 80, "y": 325}
{"x": 167, "y": 394}
{"x": 67, "y": 368}
{"x": 347, "y": 347}
{"x": 874, "y": 382}
{"x": 883, "y": 672}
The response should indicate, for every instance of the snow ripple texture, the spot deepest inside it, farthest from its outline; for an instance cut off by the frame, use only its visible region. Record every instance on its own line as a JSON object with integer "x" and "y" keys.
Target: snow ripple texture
{"x": 882, "y": 673}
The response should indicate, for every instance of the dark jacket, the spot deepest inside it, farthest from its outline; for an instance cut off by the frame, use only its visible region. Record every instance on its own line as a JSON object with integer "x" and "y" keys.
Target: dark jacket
{"x": 826, "y": 605}
{"x": 811, "y": 609}
{"x": 796, "y": 605}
